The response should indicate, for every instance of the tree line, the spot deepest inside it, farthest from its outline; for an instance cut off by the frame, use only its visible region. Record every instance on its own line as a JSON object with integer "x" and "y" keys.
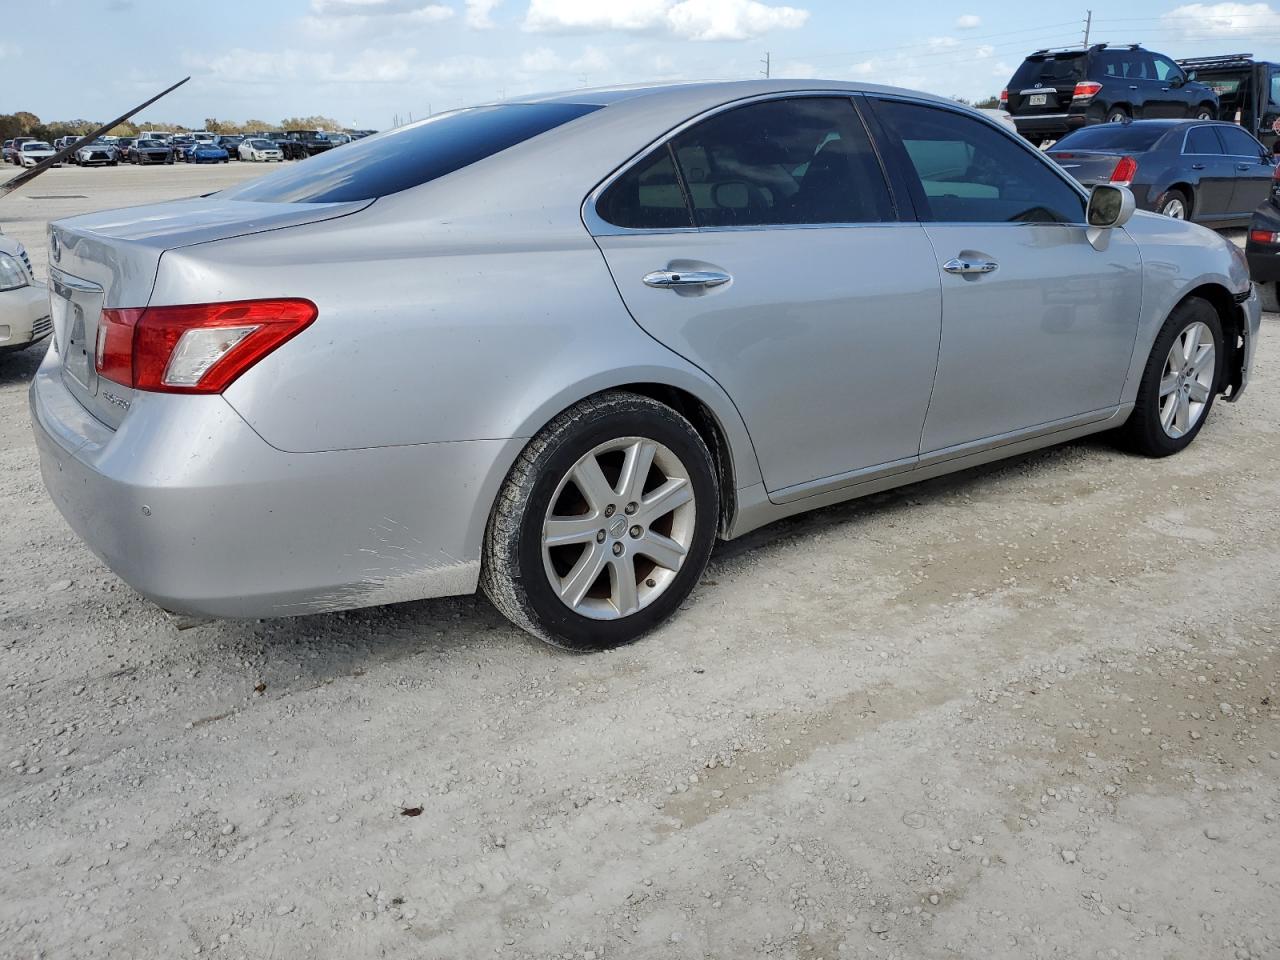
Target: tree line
{"x": 26, "y": 124}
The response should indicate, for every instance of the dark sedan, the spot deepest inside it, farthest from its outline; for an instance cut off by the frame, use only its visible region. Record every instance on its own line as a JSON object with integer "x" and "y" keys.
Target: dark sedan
{"x": 1210, "y": 172}
{"x": 150, "y": 151}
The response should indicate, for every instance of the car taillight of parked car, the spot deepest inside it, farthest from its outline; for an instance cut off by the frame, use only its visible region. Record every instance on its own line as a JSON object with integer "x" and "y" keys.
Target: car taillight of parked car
{"x": 194, "y": 348}
{"x": 1126, "y": 169}
{"x": 1004, "y": 99}
{"x": 1086, "y": 90}
{"x": 1264, "y": 237}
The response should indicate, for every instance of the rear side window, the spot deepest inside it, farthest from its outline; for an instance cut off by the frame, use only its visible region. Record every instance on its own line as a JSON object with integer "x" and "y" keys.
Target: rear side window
{"x": 409, "y": 156}
{"x": 803, "y": 160}
{"x": 1240, "y": 144}
{"x": 968, "y": 172}
{"x": 1202, "y": 140}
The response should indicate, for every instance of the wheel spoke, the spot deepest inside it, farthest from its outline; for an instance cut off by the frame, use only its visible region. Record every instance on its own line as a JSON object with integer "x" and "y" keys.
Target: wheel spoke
{"x": 1197, "y": 391}
{"x": 1167, "y": 414}
{"x": 565, "y": 531}
{"x": 1204, "y": 359}
{"x": 676, "y": 492}
{"x": 623, "y": 593}
{"x": 590, "y": 480}
{"x": 663, "y": 551}
{"x": 1183, "y": 419}
{"x": 1168, "y": 384}
{"x": 574, "y": 587}
{"x": 635, "y": 468}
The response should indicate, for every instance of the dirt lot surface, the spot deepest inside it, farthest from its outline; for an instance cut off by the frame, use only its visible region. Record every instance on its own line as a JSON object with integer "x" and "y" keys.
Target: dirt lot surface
{"x": 1027, "y": 711}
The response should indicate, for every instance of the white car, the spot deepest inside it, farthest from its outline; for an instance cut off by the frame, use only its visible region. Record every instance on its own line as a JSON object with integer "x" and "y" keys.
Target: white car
{"x": 33, "y": 151}
{"x": 24, "y": 301}
{"x": 98, "y": 153}
{"x": 260, "y": 150}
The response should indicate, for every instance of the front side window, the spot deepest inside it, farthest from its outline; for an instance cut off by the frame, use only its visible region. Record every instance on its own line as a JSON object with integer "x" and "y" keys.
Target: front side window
{"x": 1165, "y": 68}
{"x": 408, "y": 156}
{"x": 964, "y": 171}
{"x": 1203, "y": 140}
{"x": 797, "y": 161}
{"x": 1240, "y": 144}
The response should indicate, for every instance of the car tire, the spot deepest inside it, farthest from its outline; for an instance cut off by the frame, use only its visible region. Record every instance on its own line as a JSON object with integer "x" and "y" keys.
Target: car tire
{"x": 1204, "y": 112}
{"x": 1179, "y": 382}
{"x": 1117, "y": 115}
{"x": 600, "y": 438}
{"x": 1174, "y": 203}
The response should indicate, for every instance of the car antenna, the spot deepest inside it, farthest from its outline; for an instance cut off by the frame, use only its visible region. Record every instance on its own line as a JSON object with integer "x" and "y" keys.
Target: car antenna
{"x": 27, "y": 176}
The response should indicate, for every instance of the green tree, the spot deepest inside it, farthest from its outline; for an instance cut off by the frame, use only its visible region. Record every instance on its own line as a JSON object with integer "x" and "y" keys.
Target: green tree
{"x": 310, "y": 123}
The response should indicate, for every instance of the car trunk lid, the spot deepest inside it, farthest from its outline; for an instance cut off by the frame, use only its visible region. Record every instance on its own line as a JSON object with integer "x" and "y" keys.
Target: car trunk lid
{"x": 1046, "y": 82}
{"x": 1089, "y": 166}
{"x": 109, "y": 260}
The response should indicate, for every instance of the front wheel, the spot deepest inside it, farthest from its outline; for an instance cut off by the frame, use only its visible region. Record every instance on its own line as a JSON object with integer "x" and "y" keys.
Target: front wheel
{"x": 604, "y": 524}
{"x": 1179, "y": 382}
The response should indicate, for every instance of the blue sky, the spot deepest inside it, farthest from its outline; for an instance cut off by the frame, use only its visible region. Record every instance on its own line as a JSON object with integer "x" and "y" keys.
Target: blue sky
{"x": 365, "y": 61}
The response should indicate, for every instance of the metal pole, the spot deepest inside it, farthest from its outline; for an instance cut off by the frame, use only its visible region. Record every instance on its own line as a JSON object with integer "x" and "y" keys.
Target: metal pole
{"x": 767, "y": 65}
{"x": 1088, "y": 24}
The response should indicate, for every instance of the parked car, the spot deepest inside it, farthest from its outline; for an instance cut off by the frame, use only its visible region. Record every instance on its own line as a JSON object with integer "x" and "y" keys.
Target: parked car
{"x": 123, "y": 146}
{"x": 32, "y": 152}
{"x": 181, "y": 144}
{"x": 24, "y": 301}
{"x": 258, "y": 149}
{"x": 13, "y": 148}
{"x": 231, "y": 144}
{"x": 290, "y": 149}
{"x": 1056, "y": 91}
{"x": 1213, "y": 173}
{"x": 150, "y": 151}
{"x": 698, "y": 368}
{"x": 96, "y": 153}
{"x": 1248, "y": 90}
{"x": 1262, "y": 247}
{"x": 313, "y": 142}
{"x": 207, "y": 152}
{"x": 61, "y": 143}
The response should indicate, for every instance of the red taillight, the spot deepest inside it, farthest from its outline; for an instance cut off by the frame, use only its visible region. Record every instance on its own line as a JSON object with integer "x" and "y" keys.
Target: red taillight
{"x": 1086, "y": 90}
{"x": 1125, "y": 170}
{"x": 1004, "y": 99}
{"x": 194, "y": 348}
{"x": 1265, "y": 237}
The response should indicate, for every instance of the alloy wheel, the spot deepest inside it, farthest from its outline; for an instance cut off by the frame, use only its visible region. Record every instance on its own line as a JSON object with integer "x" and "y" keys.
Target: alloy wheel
{"x": 1176, "y": 209}
{"x": 619, "y": 527}
{"x": 1187, "y": 382}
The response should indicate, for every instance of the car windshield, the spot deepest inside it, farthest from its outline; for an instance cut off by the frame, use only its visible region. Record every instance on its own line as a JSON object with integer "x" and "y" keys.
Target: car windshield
{"x": 36, "y": 145}
{"x": 409, "y": 156}
{"x": 1054, "y": 68}
{"x": 150, "y": 143}
{"x": 1112, "y": 136}
{"x": 262, "y": 145}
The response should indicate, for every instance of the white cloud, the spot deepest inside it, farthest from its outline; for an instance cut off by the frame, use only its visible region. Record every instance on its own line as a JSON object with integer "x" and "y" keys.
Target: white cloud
{"x": 480, "y": 14}
{"x": 1223, "y": 19}
{"x": 340, "y": 19}
{"x": 968, "y": 21}
{"x": 689, "y": 19}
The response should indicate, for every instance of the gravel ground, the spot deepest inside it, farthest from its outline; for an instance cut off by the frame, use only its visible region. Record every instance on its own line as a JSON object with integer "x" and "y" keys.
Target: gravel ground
{"x": 1030, "y": 710}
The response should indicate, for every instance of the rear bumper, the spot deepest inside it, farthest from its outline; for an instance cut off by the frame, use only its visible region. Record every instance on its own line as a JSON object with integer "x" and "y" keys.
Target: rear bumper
{"x": 1048, "y": 126}
{"x": 1264, "y": 263}
{"x": 194, "y": 510}
{"x": 24, "y": 316}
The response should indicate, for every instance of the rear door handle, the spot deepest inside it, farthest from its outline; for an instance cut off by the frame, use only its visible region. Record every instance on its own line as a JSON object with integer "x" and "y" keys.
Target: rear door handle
{"x": 1243, "y": 166}
{"x": 1197, "y": 166}
{"x": 956, "y": 265}
{"x": 663, "y": 279}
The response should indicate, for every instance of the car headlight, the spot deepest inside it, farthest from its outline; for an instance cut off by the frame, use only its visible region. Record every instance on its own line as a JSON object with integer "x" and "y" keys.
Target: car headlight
{"x": 12, "y": 276}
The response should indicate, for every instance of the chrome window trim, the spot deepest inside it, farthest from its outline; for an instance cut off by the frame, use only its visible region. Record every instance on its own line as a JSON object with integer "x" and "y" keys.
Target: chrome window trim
{"x": 597, "y": 226}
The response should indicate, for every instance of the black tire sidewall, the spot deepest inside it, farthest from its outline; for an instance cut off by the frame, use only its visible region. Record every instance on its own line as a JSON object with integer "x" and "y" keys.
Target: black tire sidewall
{"x": 1164, "y": 198}
{"x": 1145, "y": 427}
{"x": 572, "y": 630}
{"x": 1115, "y": 112}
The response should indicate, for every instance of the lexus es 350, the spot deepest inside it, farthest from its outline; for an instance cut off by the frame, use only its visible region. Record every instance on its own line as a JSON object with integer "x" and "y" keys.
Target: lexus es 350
{"x": 556, "y": 348}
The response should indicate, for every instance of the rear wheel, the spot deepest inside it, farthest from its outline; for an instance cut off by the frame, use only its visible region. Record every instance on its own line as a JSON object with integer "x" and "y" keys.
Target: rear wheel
{"x": 1205, "y": 112}
{"x": 604, "y": 525}
{"x": 1179, "y": 383}
{"x": 1117, "y": 115}
{"x": 1174, "y": 203}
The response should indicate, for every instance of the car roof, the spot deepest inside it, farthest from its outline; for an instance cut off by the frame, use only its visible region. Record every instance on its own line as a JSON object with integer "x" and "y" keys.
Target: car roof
{"x": 695, "y": 93}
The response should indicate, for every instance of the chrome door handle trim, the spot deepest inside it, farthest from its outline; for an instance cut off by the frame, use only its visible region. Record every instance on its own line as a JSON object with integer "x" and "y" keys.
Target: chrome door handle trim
{"x": 663, "y": 279}
{"x": 956, "y": 265}
{"x": 1197, "y": 166}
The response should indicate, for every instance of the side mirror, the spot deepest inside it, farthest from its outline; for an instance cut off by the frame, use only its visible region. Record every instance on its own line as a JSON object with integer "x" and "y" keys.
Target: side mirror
{"x": 1109, "y": 206}
{"x": 1176, "y": 81}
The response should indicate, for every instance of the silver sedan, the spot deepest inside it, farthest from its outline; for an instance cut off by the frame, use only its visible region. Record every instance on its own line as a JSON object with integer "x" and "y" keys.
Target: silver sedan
{"x": 556, "y": 348}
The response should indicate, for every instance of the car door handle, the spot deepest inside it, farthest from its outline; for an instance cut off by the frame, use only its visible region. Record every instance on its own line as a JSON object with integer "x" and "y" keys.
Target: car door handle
{"x": 1243, "y": 166}
{"x": 662, "y": 279}
{"x": 1133, "y": 86}
{"x": 1197, "y": 166}
{"x": 956, "y": 265}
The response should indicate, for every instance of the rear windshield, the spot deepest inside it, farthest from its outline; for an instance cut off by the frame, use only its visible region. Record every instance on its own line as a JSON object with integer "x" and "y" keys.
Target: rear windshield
{"x": 1061, "y": 68}
{"x": 409, "y": 156}
{"x": 1112, "y": 136}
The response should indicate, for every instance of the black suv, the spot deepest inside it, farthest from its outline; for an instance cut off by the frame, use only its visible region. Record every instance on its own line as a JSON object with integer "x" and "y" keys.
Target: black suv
{"x": 1055, "y": 91}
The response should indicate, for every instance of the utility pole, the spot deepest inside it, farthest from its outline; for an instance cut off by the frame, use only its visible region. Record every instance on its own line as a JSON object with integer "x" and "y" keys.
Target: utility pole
{"x": 767, "y": 65}
{"x": 1088, "y": 25}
